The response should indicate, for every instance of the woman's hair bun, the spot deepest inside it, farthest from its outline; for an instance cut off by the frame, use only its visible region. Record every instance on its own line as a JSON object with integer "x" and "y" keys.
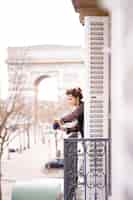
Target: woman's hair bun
{"x": 79, "y": 90}
{"x": 76, "y": 92}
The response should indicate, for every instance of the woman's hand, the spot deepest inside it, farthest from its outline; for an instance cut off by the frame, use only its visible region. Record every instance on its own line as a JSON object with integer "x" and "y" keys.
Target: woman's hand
{"x": 60, "y": 122}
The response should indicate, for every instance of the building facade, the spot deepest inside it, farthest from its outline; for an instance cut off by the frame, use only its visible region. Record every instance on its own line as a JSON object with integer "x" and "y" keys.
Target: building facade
{"x": 119, "y": 14}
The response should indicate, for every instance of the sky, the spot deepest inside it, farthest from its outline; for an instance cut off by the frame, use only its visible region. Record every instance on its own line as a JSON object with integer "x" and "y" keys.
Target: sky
{"x": 36, "y": 22}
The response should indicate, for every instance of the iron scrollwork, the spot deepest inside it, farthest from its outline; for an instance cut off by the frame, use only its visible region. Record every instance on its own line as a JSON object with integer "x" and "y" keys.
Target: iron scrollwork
{"x": 86, "y": 169}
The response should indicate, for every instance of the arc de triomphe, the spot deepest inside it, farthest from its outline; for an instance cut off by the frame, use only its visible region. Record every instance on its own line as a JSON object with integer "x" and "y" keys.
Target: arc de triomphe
{"x": 38, "y": 62}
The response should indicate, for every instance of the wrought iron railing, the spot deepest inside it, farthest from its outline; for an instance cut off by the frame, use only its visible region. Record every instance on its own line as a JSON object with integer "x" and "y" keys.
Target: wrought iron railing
{"x": 86, "y": 169}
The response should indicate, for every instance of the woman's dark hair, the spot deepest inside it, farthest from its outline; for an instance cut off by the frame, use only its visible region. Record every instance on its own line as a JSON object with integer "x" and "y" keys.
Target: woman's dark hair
{"x": 75, "y": 92}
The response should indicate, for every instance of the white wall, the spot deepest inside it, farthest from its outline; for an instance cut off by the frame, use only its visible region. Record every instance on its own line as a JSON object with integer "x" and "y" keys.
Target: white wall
{"x": 122, "y": 99}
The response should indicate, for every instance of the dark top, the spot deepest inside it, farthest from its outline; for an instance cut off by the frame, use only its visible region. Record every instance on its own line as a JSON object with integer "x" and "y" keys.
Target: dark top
{"x": 77, "y": 114}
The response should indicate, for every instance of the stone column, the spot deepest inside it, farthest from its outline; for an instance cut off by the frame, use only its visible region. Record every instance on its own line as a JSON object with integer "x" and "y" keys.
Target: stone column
{"x": 122, "y": 100}
{"x": 128, "y": 97}
{"x": 117, "y": 105}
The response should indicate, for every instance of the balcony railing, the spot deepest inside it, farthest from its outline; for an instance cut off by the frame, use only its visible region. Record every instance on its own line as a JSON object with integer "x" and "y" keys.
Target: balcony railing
{"x": 86, "y": 169}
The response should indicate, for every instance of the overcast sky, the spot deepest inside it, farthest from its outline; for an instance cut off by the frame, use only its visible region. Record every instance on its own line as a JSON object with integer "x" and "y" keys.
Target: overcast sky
{"x": 29, "y": 22}
{"x": 37, "y": 22}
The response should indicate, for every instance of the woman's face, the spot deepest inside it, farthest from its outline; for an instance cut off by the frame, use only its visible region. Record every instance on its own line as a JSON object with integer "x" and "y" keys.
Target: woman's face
{"x": 72, "y": 101}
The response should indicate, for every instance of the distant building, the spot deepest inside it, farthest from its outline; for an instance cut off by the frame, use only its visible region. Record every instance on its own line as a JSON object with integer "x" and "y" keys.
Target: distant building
{"x": 36, "y": 63}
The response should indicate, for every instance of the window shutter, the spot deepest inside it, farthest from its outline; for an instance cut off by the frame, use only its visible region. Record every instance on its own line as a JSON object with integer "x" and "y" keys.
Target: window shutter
{"x": 97, "y": 72}
{"x": 97, "y": 105}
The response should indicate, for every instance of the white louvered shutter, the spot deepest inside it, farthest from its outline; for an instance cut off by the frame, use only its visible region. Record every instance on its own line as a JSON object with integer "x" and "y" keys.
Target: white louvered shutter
{"x": 97, "y": 72}
{"x": 97, "y": 104}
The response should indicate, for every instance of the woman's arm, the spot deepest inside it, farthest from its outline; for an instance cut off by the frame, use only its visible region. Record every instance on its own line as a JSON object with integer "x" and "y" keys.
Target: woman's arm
{"x": 72, "y": 116}
{"x": 72, "y": 129}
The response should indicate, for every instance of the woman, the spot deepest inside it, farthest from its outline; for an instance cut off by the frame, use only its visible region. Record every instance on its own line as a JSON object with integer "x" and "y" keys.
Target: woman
{"x": 74, "y": 97}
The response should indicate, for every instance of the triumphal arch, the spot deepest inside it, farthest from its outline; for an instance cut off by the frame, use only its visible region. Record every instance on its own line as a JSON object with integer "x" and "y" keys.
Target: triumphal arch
{"x": 36, "y": 63}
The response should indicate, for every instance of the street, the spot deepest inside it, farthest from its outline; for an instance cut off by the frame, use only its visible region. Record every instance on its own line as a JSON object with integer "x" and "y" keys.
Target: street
{"x": 28, "y": 165}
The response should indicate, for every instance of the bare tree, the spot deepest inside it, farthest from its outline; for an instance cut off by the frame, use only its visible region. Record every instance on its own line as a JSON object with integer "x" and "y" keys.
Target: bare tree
{"x": 10, "y": 113}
